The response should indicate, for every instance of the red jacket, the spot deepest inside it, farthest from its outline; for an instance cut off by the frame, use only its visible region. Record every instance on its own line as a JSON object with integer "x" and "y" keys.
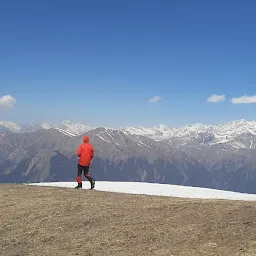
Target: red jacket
{"x": 86, "y": 152}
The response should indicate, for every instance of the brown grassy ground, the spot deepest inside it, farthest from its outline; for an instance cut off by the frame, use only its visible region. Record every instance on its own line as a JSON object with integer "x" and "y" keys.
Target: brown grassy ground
{"x": 58, "y": 221}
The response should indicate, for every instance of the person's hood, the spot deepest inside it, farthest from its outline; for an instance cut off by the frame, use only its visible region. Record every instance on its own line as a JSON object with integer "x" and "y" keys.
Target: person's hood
{"x": 86, "y": 139}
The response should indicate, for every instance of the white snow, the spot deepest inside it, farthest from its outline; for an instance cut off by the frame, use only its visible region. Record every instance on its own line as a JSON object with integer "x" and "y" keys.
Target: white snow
{"x": 103, "y": 139}
{"x": 66, "y": 132}
{"x": 222, "y": 133}
{"x": 139, "y": 142}
{"x": 238, "y": 145}
{"x": 156, "y": 189}
{"x": 251, "y": 144}
{"x": 46, "y": 126}
{"x": 74, "y": 128}
{"x": 67, "y": 126}
{"x": 11, "y": 126}
{"x": 109, "y": 133}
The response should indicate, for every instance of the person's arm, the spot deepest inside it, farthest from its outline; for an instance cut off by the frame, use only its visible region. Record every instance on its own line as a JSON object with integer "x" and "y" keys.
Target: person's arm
{"x": 79, "y": 151}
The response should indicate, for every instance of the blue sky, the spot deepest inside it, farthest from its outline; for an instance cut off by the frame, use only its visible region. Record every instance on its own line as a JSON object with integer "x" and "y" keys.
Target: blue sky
{"x": 100, "y": 62}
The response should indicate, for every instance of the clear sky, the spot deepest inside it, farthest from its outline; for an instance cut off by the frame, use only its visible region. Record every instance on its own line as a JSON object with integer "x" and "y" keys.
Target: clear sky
{"x": 100, "y": 62}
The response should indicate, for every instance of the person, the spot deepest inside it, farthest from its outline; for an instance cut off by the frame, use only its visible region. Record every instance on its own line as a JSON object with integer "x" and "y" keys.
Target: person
{"x": 85, "y": 152}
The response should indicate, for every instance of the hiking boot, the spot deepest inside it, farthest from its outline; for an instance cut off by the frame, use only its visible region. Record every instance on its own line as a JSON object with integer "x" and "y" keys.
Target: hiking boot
{"x": 79, "y": 185}
{"x": 92, "y": 184}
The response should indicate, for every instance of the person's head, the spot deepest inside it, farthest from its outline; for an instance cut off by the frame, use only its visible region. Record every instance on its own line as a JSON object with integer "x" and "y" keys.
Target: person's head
{"x": 86, "y": 139}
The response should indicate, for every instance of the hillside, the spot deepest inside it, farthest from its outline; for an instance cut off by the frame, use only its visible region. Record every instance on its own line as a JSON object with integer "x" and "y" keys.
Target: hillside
{"x": 59, "y": 221}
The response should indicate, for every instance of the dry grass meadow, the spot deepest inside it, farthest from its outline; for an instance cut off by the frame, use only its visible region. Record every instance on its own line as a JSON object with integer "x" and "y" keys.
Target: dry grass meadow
{"x": 60, "y": 221}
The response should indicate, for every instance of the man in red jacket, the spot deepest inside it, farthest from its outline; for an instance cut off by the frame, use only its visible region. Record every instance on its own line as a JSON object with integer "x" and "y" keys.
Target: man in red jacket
{"x": 86, "y": 153}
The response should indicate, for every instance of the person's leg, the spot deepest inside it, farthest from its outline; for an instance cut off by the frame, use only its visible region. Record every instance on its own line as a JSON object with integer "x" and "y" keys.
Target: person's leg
{"x": 88, "y": 176}
{"x": 79, "y": 176}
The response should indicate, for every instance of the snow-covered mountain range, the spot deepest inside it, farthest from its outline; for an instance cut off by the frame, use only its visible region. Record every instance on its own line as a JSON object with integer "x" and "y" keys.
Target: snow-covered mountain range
{"x": 221, "y": 131}
{"x": 72, "y": 129}
{"x": 204, "y": 134}
{"x": 217, "y": 156}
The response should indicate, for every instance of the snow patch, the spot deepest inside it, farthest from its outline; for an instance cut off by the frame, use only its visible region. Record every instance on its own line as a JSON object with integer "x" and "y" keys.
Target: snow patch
{"x": 104, "y": 139}
{"x": 155, "y": 189}
{"x": 2, "y": 134}
{"x": 66, "y": 132}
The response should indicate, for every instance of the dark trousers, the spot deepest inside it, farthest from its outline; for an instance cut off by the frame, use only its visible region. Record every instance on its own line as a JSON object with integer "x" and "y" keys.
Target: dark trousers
{"x": 84, "y": 169}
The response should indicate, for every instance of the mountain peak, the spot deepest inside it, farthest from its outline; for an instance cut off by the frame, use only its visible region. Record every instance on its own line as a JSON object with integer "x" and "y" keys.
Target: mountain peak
{"x": 162, "y": 127}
